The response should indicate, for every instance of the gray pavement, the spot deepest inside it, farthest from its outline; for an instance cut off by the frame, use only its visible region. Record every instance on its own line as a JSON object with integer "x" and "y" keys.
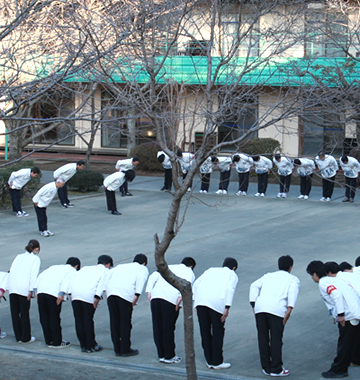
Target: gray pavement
{"x": 254, "y": 231}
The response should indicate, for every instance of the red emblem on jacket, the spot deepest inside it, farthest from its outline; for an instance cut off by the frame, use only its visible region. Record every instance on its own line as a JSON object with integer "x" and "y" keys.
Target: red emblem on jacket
{"x": 330, "y": 288}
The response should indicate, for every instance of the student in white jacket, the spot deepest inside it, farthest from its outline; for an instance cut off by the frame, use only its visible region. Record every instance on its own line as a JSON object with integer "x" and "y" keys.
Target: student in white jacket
{"x": 205, "y": 171}
{"x": 186, "y": 161}
{"x": 305, "y": 169}
{"x": 213, "y": 295}
{"x": 21, "y": 281}
{"x": 66, "y": 172}
{"x": 285, "y": 169}
{"x": 124, "y": 166}
{"x": 351, "y": 168}
{"x": 243, "y": 164}
{"x": 165, "y": 302}
{"x": 86, "y": 290}
{"x": 41, "y": 200}
{"x": 51, "y": 288}
{"x": 164, "y": 159}
{"x": 344, "y": 305}
{"x": 124, "y": 285}
{"x": 3, "y": 286}
{"x": 262, "y": 168}
{"x": 273, "y": 297}
{"x": 224, "y": 164}
{"x": 328, "y": 168}
{"x": 17, "y": 181}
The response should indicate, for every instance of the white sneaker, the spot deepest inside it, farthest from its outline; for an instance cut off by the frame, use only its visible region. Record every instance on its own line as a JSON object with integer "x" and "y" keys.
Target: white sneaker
{"x": 45, "y": 234}
{"x": 221, "y": 366}
{"x": 306, "y": 197}
{"x": 279, "y": 195}
{"x": 19, "y": 214}
{"x": 189, "y": 190}
{"x": 328, "y": 199}
{"x": 174, "y": 360}
{"x": 322, "y": 199}
{"x": 32, "y": 340}
{"x": 244, "y": 193}
{"x": 25, "y": 213}
{"x": 283, "y": 373}
{"x": 50, "y": 233}
{"x": 219, "y": 192}
{"x": 239, "y": 193}
{"x": 283, "y": 195}
{"x": 204, "y": 191}
{"x": 224, "y": 192}
{"x": 262, "y": 195}
{"x": 3, "y": 335}
{"x": 301, "y": 196}
{"x": 200, "y": 191}
{"x": 257, "y": 195}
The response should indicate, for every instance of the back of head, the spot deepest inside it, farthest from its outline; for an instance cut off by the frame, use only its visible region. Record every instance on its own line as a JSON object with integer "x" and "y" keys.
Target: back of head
{"x": 130, "y": 175}
{"x": 317, "y": 267}
{"x": 73, "y": 261}
{"x": 135, "y": 159}
{"x": 179, "y": 153}
{"x": 332, "y": 266}
{"x": 35, "y": 170}
{"x": 357, "y": 262}
{"x": 105, "y": 259}
{"x": 297, "y": 161}
{"x": 189, "y": 262}
{"x": 230, "y": 263}
{"x": 277, "y": 156}
{"x": 140, "y": 258}
{"x": 214, "y": 159}
{"x": 236, "y": 158}
{"x": 345, "y": 266}
{"x": 285, "y": 262}
{"x": 32, "y": 244}
{"x": 256, "y": 158}
{"x": 344, "y": 159}
{"x": 80, "y": 163}
{"x": 321, "y": 154}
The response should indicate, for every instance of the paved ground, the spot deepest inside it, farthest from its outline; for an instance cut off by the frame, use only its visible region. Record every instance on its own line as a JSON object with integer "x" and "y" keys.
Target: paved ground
{"x": 255, "y": 231}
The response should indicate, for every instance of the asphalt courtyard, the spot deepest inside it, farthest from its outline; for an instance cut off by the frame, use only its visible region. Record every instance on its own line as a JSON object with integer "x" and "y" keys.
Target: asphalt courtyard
{"x": 254, "y": 231}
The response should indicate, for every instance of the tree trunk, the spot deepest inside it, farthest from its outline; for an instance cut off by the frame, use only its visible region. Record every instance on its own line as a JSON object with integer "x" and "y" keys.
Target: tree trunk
{"x": 131, "y": 140}
{"x": 15, "y": 144}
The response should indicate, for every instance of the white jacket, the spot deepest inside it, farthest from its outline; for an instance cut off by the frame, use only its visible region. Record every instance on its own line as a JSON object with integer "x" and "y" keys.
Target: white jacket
{"x": 224, "y": 163}
{"x": 113, "y": 181}
{"x": 352, "y": 168}
{"x": 207, "y": 166}
{"x": 306, "y": 168}
{"x": 20, "y": 178}
{"x": 328, "y": 166}
{"x": 263, "y": 165}
{"x": 23, "y": 274}
{"x": 352, "y": 279}
{"x": 167, "y": 162}
{"x": 186, "y": 161}
{"x": 45, "y": 195}
{"x": 245, "y": 163}
{"x": 274, "y": 292}
{"x": 65, "y": 172}
{"x": 285, "y": 166}
{"x": 125, "y": 165}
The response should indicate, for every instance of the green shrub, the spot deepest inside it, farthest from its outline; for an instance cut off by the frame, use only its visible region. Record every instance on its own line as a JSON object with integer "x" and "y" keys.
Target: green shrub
{"x": 28, "y": 191}
{"x": 147, "y": 155}
{"x": 265, "y": 147}
{"x": 85, "y": 180}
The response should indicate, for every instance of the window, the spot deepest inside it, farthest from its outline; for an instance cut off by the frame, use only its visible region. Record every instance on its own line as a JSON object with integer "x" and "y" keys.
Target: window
{"x": 145, "y": 131}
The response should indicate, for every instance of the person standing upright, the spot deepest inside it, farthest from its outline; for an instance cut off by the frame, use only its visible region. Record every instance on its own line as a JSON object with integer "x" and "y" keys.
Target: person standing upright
{"x": 17, "y": 181}
{"x": 351, "y": 168}
{"x": 272, "y": 297}
{"x": 66, "y": 172}
{"x": 124, "y": 166}
{"x": 224, "y": 165}
{"x": 164, "y": 159}
{"x": 243, "y": 164}
{"x": 262, "y": 168}
{"x": 305, "y": 168}
{"x": 328, "y": 168}
{"x": 205, "y": 171}
{"x": 285, "y": 169}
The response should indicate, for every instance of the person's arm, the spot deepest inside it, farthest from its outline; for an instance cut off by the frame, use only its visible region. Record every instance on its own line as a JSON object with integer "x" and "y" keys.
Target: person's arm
{"x": 287, "y": 315}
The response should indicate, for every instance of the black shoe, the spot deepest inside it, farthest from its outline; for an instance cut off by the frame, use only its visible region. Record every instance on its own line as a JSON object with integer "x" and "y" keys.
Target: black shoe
{"x": 128, "y": 194}
{"x": 333, "y": 375}
{"x": 83, "y": 349}
{"x": 89, "y": 351}
{"x": 130, "y": 353}
{"x": 163, "y": 188}
{"x": 123, "y": 194}
{"x": 98, "y": 348}
{"x": 116, "y": 212}
{"x": 346, "y": 199}
{"x": 117, "y": 354}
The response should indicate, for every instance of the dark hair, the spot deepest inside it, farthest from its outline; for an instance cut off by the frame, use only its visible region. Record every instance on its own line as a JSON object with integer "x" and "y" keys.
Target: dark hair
{"x": 230, "y": 263}
{"x": 136, "y": 159}
{"x": 32, "y": 244}
{"x": 344, "y": 158}
{"x": 236, "y": 158}
{"x": 285, "y": 262}
{"x": 130, "y": 175}
{"x": 73, "y": 261}
{"x": 345, "y": 266}
{"x": 79, "y": 163}
{"x": 179, "y": 153}
{"x": 277, "y": 156}
{"x": 161, "y": 158}
{"x": 357, "y": 262}
{"x": 332, "y": 266}
{"x": 256, "y": 158}
{"x": 35, "y": 170}
{"x": 105, "y": 259}
{"x": 140, "y": 258}
{"x": 189, "y": 262}
{"x": 297, "y": 161}
{"x": 214, "y": 159}
{"x": 317, "y": 267}
{"x": 321, "y": 153}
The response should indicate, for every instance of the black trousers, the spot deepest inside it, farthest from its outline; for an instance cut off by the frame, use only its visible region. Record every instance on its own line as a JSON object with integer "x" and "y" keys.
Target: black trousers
{"x": 63, "y": 195}
{"x": 224, "y": 181}
{"x": 16, "y": 199}
{"x": 285, "y": 182}
{"x": 345, "y": 346}
{"x": 328, "y": 186}
{"x": 110, "y": 200}
{"x": 205, "y": 181}
{"x": 168, "y": 179}
{"x": 20, "y": 315}
{"x": 350, "y": 187}
{"x": 120, "y": 312}
{"x": 164, "y": 317}
{"x": 212, "y": 332}
{"x": 41, "y": 218}
{"x": 262, "y": 182}
{"x": 124, "y": 187}
{"x": 184, "y": 176}
{"x": 49, "y": 313}
{"x": 270, "y": 330}
{"x": 244, "y": 181}
{"x": 305, "y": 184}
{"x": 84, "y": 323}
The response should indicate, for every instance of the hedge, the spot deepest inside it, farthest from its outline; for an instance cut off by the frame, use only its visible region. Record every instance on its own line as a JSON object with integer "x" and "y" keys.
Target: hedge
{"x": 147, "y": 154}
{"x": 265, "y": 147}
{"x": 85, "y": 180}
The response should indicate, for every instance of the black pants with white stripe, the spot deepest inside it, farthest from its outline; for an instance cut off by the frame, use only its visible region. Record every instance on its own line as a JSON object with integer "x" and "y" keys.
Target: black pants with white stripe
{"x": 20, "y": 315}
{"x": 49, "y": 313}
{"x": 84, "y": 323}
